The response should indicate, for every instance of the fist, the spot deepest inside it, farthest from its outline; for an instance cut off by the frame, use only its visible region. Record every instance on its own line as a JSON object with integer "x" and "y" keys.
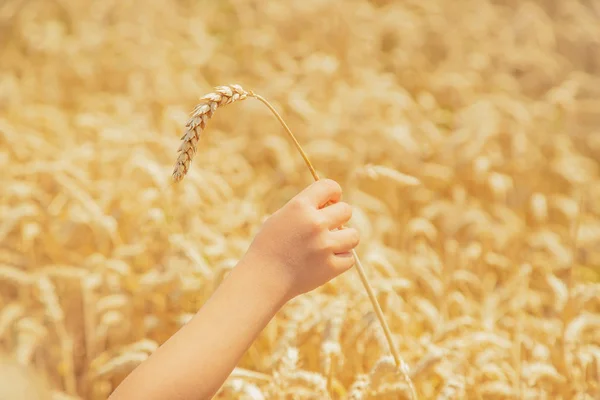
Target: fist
{"x": 300, "y": 247}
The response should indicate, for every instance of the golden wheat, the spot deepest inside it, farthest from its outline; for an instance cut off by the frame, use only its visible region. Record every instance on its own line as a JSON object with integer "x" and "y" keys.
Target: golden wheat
{"x": 486, "y": 269}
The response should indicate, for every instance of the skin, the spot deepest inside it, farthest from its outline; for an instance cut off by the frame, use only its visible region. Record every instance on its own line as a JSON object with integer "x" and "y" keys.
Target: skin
{"x": 298, "y": 249}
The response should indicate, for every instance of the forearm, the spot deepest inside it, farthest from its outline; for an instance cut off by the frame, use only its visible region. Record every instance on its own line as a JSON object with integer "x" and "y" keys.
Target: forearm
{"x": 195, "y": 361}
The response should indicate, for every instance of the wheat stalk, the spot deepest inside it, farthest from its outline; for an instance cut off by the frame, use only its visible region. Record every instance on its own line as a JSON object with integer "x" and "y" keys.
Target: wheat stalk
{"x": 224, "y": 95}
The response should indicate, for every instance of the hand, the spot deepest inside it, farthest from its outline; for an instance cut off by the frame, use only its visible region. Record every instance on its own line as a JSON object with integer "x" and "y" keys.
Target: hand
{"x": 299, "y": 247}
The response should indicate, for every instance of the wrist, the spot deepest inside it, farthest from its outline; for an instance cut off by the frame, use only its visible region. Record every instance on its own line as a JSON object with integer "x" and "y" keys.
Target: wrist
{"x": 265, "y": 280}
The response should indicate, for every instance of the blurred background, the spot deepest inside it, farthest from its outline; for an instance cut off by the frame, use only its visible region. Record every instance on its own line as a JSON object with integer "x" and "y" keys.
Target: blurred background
{"x": 488, "y": 271}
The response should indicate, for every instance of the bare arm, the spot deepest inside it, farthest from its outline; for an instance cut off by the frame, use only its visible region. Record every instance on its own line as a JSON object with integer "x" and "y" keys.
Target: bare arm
{"x": 195, "y": 361}
{"x": 297, "y": 250}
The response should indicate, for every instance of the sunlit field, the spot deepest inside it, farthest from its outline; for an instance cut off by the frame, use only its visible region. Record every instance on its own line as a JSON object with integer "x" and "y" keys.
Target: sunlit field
{"x": 488, "y": 270}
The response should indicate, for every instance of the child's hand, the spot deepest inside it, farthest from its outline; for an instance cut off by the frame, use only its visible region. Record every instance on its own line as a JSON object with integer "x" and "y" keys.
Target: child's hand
{"x": 298, "y": 248}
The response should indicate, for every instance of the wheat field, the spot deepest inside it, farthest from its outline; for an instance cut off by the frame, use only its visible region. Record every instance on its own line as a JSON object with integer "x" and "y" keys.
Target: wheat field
{"x": 487, "y": 271}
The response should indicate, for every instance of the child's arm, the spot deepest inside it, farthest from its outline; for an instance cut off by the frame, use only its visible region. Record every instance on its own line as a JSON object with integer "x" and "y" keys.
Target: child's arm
{"x": 296, "y": 251}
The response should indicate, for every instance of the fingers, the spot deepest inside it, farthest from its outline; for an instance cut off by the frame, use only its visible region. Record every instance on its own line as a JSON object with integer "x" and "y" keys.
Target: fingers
{"x": 344, "y": 240}
{"x": 337, "y": 214}
{"x": 342, "y": 262}
{"x": 321, "y": 192}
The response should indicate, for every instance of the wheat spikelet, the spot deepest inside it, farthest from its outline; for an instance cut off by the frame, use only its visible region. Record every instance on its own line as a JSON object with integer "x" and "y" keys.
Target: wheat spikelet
{"x": 181, "y": 319}
{"x": 50, "y": 299}
{"x": 121, "y": 363}
{"x": 497, "y": 390}
{"x": 55, "y": 312}
{"x": 371, "y": 341}
{"x": 147, "y": 345}
{"x": 382, "y": 172}
{"x": 64, "y": 272}
{"x": 14, "y": 275}
{"x": 384, "y": 366}
{"x": 315, "y": 382}
{"x": 360, "y": 388}
{"x": 89, "y": 284}
{"x": 30, "y": 336}
{"x": 289, "y": 336}
{"x": 288, "y": 365}
{"x": 577, "y": 327}
{"x": 427, "y": 362}
{"x": 395, "y": 390}
{"x": 241, "y": 390}
{"x": 453, "y": 389}
{"x": 247, "y": 374}
{"x": 331, "y": 349}
{"x": 422, "y": 227}
{"x": 429, "y": 312}
{"x": 111, "y": 302}
{"x": 492, "y": 372}
{"x": 539, "y": 207}
{"x": 222, "y": 96}
{"x": 534, "y": 372}
{"x": 9, "y": 314}
{"x": 110, "y": 319}
{"x": 560, "y": 291}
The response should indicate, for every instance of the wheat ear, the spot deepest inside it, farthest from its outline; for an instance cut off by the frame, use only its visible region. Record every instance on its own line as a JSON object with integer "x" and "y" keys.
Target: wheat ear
{"x": 224, "y": 95}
